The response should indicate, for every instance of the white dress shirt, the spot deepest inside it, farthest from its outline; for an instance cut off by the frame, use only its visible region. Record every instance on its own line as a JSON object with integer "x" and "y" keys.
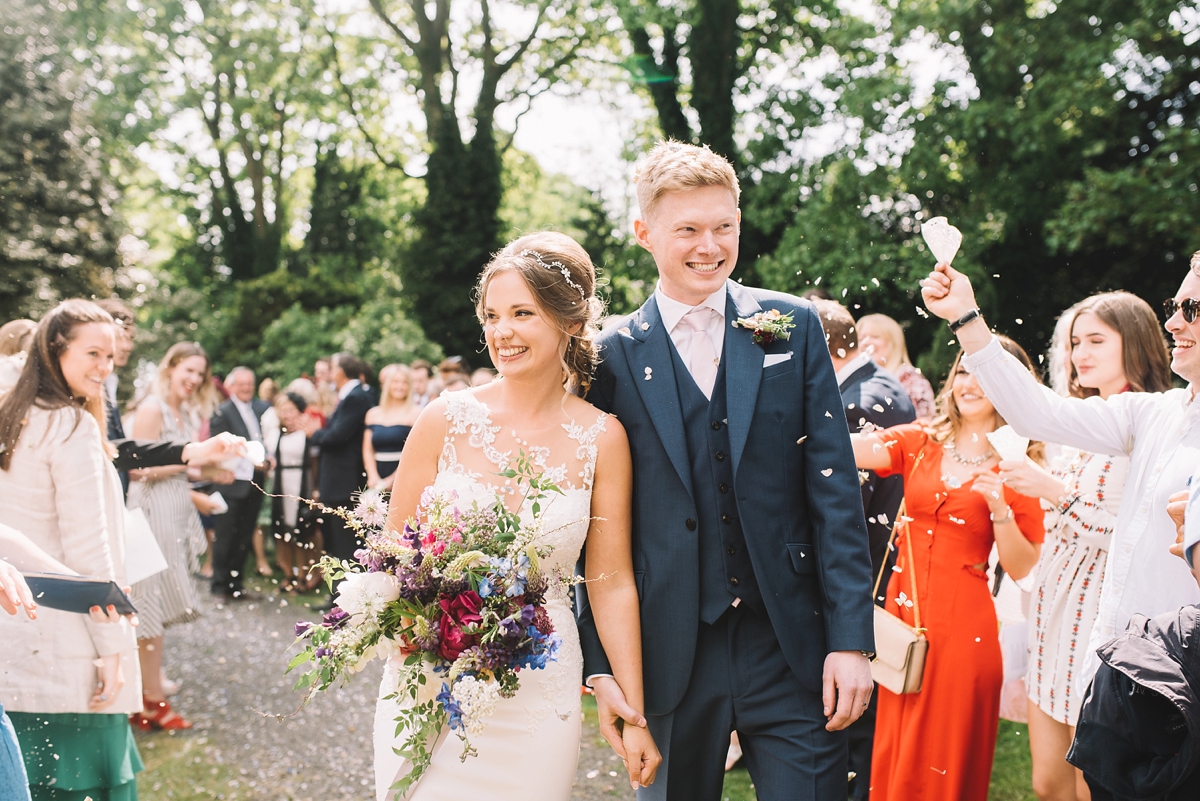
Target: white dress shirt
{"x": 851, "y": 367}
{"x": 1160, "y": 433}
{"x": 246, "y": 410}
{"x": 347, "y": 388}
{"x": 672, "y": 312}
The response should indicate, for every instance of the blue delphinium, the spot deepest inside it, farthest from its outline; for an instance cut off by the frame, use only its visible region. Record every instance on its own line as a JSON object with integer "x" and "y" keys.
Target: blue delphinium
{"x": 451, "y": 706}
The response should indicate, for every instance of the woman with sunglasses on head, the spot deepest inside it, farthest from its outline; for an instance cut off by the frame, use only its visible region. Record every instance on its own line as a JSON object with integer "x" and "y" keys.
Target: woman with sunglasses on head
{"x": 1158, "y": 431}
{"x": 957, "y": 508}
{"x": 1112, "y": 345}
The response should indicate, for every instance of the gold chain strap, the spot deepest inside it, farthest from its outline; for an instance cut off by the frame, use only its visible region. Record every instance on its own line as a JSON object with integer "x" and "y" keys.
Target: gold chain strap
{"x": 901, "y": 520}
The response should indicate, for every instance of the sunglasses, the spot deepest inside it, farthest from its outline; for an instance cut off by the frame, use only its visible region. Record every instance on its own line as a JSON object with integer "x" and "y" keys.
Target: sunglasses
{"x": 1190, "y": 307}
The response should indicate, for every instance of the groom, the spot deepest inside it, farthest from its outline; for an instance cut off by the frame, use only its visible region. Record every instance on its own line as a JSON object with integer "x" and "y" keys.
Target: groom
{"x": 750, "y": 548}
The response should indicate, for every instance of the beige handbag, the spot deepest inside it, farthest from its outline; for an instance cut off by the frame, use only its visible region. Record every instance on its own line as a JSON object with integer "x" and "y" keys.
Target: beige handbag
{"x": 899, "y": 663}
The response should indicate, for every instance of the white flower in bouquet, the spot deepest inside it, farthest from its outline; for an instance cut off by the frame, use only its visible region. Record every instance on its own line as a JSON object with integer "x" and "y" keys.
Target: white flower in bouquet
{"x": 366, "y": 594}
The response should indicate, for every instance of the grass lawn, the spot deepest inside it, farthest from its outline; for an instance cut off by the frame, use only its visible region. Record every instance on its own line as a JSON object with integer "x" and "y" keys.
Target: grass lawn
{"x": 180, "y": 767}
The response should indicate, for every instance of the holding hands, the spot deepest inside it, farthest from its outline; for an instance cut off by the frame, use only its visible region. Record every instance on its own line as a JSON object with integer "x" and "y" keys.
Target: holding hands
{"x": 626, "y": 731}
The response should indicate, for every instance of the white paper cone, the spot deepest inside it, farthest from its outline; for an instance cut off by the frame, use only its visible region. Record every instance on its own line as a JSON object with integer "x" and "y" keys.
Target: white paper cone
{"x": 942, "y": 238}
{"x": 1008, "y": 443}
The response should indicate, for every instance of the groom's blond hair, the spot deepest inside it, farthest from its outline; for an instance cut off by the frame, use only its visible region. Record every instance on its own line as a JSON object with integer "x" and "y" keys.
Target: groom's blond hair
{"x": 674, "y": 166}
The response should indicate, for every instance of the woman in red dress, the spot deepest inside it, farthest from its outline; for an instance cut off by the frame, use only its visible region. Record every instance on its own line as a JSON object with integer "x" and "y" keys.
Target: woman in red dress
{"x": 938, "y": 744}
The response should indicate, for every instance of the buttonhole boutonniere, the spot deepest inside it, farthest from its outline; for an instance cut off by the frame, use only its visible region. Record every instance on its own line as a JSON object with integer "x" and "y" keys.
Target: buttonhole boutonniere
{"x": 768, "y": 326}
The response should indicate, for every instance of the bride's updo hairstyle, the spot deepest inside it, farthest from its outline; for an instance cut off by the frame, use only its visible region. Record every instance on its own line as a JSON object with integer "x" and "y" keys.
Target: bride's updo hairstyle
{"x": 559, "y": 273}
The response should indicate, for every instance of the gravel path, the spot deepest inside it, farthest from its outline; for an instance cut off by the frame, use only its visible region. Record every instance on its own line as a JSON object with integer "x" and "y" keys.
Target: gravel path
{"x": 231, "y": 662}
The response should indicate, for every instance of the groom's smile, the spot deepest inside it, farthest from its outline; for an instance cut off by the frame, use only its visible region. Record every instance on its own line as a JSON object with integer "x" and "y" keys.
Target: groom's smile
{"x": 693, "y": 236}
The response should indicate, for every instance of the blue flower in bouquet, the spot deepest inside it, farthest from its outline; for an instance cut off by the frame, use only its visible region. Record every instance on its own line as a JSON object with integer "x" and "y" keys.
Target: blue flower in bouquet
{"x": 542, "y": 649}
{"x": 516, "y": 573}
{"x": 485, "y": 588}
{"x": 451, "y": 706}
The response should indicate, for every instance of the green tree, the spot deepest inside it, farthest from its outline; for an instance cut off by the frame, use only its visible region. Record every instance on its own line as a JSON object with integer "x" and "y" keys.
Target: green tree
{"x": 59, "y": 228}
{"x": 459, "y": 226}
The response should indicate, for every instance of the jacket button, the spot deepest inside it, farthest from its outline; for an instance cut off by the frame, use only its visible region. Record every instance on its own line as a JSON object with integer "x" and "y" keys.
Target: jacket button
{"x": 731, "y": 550}
{"x": 720, "y": 456}
{"x": 716, "y": 425}
{"x": 733, "y": 580}
{"x": 726, "y": 519}
{"x": 722, "y": 488}
{"x": 691, "y": 524}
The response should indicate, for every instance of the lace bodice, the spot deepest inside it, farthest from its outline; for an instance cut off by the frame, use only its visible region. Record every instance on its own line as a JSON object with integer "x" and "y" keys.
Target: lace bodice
{"x": 568, "y": 458}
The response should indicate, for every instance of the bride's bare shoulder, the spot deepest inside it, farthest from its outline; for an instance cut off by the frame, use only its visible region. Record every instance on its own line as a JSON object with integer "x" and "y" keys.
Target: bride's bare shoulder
{"x": 587, "y": 415}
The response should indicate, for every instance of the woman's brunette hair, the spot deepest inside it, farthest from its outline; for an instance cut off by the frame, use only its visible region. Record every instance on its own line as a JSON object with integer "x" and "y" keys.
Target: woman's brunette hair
{"x": 205, "y": 399}
{"x": 42, "y": 383}
{"x": 947, "y": 422}
{"x": 559, "y": 273}
{"x": 1144, "y": 356}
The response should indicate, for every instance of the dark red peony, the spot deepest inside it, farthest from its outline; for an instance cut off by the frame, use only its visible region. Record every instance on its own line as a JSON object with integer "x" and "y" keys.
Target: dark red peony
{"x": 458, "y": 613}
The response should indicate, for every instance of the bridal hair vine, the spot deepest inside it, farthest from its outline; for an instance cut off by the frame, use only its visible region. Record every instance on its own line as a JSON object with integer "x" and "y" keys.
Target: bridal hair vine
{"x": 555, "y": 266}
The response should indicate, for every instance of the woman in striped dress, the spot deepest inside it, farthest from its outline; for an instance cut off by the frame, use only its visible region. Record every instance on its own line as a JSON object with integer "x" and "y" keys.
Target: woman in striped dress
{"x": 1115, "y": 346}
{"x": 171, "y": 411}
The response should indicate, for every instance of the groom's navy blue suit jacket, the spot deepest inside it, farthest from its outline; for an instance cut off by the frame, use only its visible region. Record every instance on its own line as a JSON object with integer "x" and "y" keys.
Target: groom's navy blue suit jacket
{"x": 795, "y": 482}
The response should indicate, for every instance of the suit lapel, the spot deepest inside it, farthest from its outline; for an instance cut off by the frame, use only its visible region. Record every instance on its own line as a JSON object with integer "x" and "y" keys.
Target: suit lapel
{"x": 743, "y": 368}
{"x": 648, "y": 350}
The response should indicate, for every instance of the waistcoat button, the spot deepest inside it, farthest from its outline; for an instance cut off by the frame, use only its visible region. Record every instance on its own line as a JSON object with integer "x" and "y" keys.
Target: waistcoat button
{"x": 720, "y": 456}
{"x": 691, "y": 524}
{"x": 733, "y": 580}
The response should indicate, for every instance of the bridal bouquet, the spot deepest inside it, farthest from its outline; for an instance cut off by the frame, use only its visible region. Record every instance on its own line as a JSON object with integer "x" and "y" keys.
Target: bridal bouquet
{"x": 459, "y": 594}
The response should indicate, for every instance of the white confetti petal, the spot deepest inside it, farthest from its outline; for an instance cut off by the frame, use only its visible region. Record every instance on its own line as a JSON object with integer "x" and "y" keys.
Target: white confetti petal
{"x": 827, "y": 472}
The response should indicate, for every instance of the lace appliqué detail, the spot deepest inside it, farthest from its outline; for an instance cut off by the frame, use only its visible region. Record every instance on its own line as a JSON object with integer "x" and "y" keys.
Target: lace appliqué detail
{"x": 586, "y": 452}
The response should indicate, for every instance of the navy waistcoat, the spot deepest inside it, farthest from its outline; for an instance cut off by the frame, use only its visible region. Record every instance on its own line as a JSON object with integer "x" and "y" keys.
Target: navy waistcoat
{"x": 725, "y": 569}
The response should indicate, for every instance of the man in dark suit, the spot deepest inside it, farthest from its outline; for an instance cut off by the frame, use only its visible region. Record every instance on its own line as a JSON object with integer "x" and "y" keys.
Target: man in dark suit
{"x": 240, "y": 415}
{"x": 341, "y": 472}
{"x": 872, "y": 398}
{"x": 749, "y": 546}
{"x": 126, "y": 326}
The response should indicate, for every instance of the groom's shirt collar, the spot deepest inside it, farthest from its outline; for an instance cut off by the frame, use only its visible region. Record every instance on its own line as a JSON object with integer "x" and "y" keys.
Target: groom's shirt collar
{"x": 672, "y": 311}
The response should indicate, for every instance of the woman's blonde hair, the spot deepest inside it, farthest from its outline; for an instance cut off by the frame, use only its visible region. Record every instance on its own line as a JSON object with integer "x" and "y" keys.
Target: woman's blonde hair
{"x": 890, "y": 330}
{"x": 386, "y": 376}
{"x": 947, "y": 422}
{"x": 205, "y": 399}
{"x": 559, "y": 273}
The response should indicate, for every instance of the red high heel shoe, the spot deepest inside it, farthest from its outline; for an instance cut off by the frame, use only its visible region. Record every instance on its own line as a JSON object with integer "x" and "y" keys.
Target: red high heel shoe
{"x": 158, "y": 715}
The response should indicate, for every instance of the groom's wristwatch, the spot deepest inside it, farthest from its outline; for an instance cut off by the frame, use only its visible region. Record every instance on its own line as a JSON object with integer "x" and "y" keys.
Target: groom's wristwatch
{"x": 868, "y": 654}
{"x": 966, "y": 318}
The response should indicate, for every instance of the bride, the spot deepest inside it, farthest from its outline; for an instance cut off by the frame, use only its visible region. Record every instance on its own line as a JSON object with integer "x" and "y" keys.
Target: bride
{"x": 538, "y": 311}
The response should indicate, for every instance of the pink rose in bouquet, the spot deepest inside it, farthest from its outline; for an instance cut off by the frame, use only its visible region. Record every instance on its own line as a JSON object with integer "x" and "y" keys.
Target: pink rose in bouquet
{"x": 458, "y": 613}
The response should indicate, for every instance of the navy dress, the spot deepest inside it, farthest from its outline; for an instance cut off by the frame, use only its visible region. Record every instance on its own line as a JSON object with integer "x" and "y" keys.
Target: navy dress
{"x": 388, "y": 441}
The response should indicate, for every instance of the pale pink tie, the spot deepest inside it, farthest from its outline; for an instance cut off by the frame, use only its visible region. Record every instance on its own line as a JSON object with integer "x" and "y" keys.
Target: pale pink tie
{"x": 702, "y": 361}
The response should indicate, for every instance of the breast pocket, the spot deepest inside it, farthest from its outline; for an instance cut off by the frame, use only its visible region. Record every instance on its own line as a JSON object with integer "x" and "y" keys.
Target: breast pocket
{"x": 773, "y": 368}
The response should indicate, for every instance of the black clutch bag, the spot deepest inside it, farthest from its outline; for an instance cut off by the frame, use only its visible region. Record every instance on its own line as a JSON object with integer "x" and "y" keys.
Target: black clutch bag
{"x": 77, "y": 593}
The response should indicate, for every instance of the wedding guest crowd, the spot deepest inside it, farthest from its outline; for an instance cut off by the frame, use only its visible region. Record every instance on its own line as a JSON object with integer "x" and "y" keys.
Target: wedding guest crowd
{"x": 1077, "y": 518}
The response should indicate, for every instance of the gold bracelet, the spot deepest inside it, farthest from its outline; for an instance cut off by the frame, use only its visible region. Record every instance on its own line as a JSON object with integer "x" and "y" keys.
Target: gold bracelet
{"x": 1008, "y": 518}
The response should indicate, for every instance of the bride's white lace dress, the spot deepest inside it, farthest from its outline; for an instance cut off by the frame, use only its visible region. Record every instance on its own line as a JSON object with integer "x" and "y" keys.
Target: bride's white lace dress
{"x": 530, "y": 746}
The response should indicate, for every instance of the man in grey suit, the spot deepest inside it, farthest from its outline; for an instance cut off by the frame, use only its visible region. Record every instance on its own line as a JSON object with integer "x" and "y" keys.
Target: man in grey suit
{"x": 750, "y": 548}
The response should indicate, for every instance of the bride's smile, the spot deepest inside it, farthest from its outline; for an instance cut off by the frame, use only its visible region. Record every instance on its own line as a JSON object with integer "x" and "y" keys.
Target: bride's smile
{"x": 520, "y": 338}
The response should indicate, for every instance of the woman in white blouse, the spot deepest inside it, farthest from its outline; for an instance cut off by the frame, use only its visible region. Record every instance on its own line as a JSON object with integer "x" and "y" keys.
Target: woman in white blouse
{"x": 1113, "y": 345}
{"x": 67, "y": 681}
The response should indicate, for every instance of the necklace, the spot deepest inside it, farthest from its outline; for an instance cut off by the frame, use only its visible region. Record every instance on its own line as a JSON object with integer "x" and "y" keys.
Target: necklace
{"x": 956, "y": 456}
